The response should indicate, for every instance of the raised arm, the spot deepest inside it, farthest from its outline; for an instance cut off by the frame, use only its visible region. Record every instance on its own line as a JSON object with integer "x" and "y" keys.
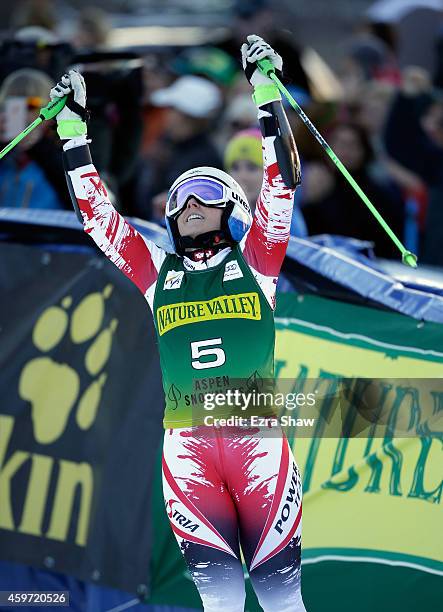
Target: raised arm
{"x": 138, "y": 258}
{"x": 264, "y": 247}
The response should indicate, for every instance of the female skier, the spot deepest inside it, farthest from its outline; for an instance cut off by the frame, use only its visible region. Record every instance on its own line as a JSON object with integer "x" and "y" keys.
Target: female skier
{"x": 212, "y": 302}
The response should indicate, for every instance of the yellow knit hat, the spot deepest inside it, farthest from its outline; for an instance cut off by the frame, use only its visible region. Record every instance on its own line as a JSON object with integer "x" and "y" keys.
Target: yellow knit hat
{"x": 244, "y": 145}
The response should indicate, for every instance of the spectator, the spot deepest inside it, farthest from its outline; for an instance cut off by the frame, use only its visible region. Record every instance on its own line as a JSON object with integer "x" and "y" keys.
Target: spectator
{"x": 258, "y": 17}
{"x": 240, "y": 114}
{"x": 93, "y": 28}
{"x": 371, "y": 112}
{"x": 34, "y": 47}
{"x": 31, "y": 175}
{"x": 192, "y": 104}
{"x": 323, "y": 115}
{"x": 333, "y": 207}
{"x": 209, "y": 62}
{"x": 372, "y": 108}
{"x": 419, "y": 148}
{"x": 156, "y": 75}
{"x": 244, "y": 162}
{"x": 40, "y": 13}
{"x": 220, "y": 68}
{"x": 367, "y": 58}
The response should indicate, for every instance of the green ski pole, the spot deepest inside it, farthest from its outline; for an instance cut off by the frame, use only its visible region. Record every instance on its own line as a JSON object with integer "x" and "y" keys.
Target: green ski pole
{"x": 267, "y": 69}
{"x": 47, "y": 112}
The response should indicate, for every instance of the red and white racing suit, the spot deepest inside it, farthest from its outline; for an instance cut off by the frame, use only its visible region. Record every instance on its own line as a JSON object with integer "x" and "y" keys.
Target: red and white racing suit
{"x": 240, "y": 489}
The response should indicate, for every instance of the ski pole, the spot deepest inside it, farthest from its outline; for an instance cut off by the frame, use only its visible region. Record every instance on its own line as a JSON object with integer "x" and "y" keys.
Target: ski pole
{"x": 47, "y": 112}
{"x": 268, "y": 70}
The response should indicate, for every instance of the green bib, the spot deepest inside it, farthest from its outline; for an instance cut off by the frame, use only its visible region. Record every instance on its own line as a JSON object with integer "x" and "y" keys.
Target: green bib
{"x": 214, "y": 327}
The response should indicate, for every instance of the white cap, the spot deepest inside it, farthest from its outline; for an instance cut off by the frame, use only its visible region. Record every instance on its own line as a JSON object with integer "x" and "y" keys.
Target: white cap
{"x": 36, "y": 34}
{"x": 395, "y": 10}
{"x": 190, "y": 95}
{"x": 242, "y": 108}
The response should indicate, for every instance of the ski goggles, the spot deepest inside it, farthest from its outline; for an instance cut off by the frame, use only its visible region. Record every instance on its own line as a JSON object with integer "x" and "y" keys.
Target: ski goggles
{"x": 208, "y": 192}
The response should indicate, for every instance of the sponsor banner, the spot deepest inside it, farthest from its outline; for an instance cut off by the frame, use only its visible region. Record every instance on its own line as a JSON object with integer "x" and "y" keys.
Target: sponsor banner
{"x": 80, "y": 417}
{"x": 369, "y": 497}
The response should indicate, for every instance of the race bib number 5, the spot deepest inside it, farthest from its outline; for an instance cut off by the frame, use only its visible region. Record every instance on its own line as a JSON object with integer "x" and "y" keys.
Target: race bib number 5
{"x": 207, "y": 348}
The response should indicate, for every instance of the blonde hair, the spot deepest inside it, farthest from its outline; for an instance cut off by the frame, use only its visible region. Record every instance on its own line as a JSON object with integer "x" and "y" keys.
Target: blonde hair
{"x": 27, "y": 82}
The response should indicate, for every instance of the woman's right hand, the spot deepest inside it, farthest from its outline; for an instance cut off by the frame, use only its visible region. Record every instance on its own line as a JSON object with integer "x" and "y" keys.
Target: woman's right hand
{"x": 71, "y": 120}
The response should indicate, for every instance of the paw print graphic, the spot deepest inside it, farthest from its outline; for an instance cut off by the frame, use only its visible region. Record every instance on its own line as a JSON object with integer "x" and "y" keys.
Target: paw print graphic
{"x": 54, "y": 389}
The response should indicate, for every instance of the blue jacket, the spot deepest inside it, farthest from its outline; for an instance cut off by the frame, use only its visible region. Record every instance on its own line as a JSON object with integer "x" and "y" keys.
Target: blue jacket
{"x": 26, "y": 186}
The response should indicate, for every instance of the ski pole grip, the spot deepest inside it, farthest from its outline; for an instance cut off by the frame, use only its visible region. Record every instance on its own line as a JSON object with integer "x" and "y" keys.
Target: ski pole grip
{"x": 53, "y": 108}
{"x": 266, "y": 67}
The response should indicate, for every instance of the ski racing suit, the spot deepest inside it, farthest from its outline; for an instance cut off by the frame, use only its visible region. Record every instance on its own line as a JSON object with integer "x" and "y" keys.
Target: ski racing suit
{"x": 224, "y": 487}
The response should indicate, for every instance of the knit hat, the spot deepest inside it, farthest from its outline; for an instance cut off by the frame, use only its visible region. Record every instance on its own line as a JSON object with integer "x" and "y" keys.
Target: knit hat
{"x": 210, "y": 62}
{"x": 244, "y": 145}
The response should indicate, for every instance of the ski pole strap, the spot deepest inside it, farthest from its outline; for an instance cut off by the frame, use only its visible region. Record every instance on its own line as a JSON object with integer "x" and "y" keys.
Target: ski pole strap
{"x": 75, "y": 107}
{"x": 408, "y": 257}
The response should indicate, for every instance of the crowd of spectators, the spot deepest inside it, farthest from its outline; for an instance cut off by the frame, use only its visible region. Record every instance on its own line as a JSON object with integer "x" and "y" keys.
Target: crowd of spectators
{"x": 158, "y": 113}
